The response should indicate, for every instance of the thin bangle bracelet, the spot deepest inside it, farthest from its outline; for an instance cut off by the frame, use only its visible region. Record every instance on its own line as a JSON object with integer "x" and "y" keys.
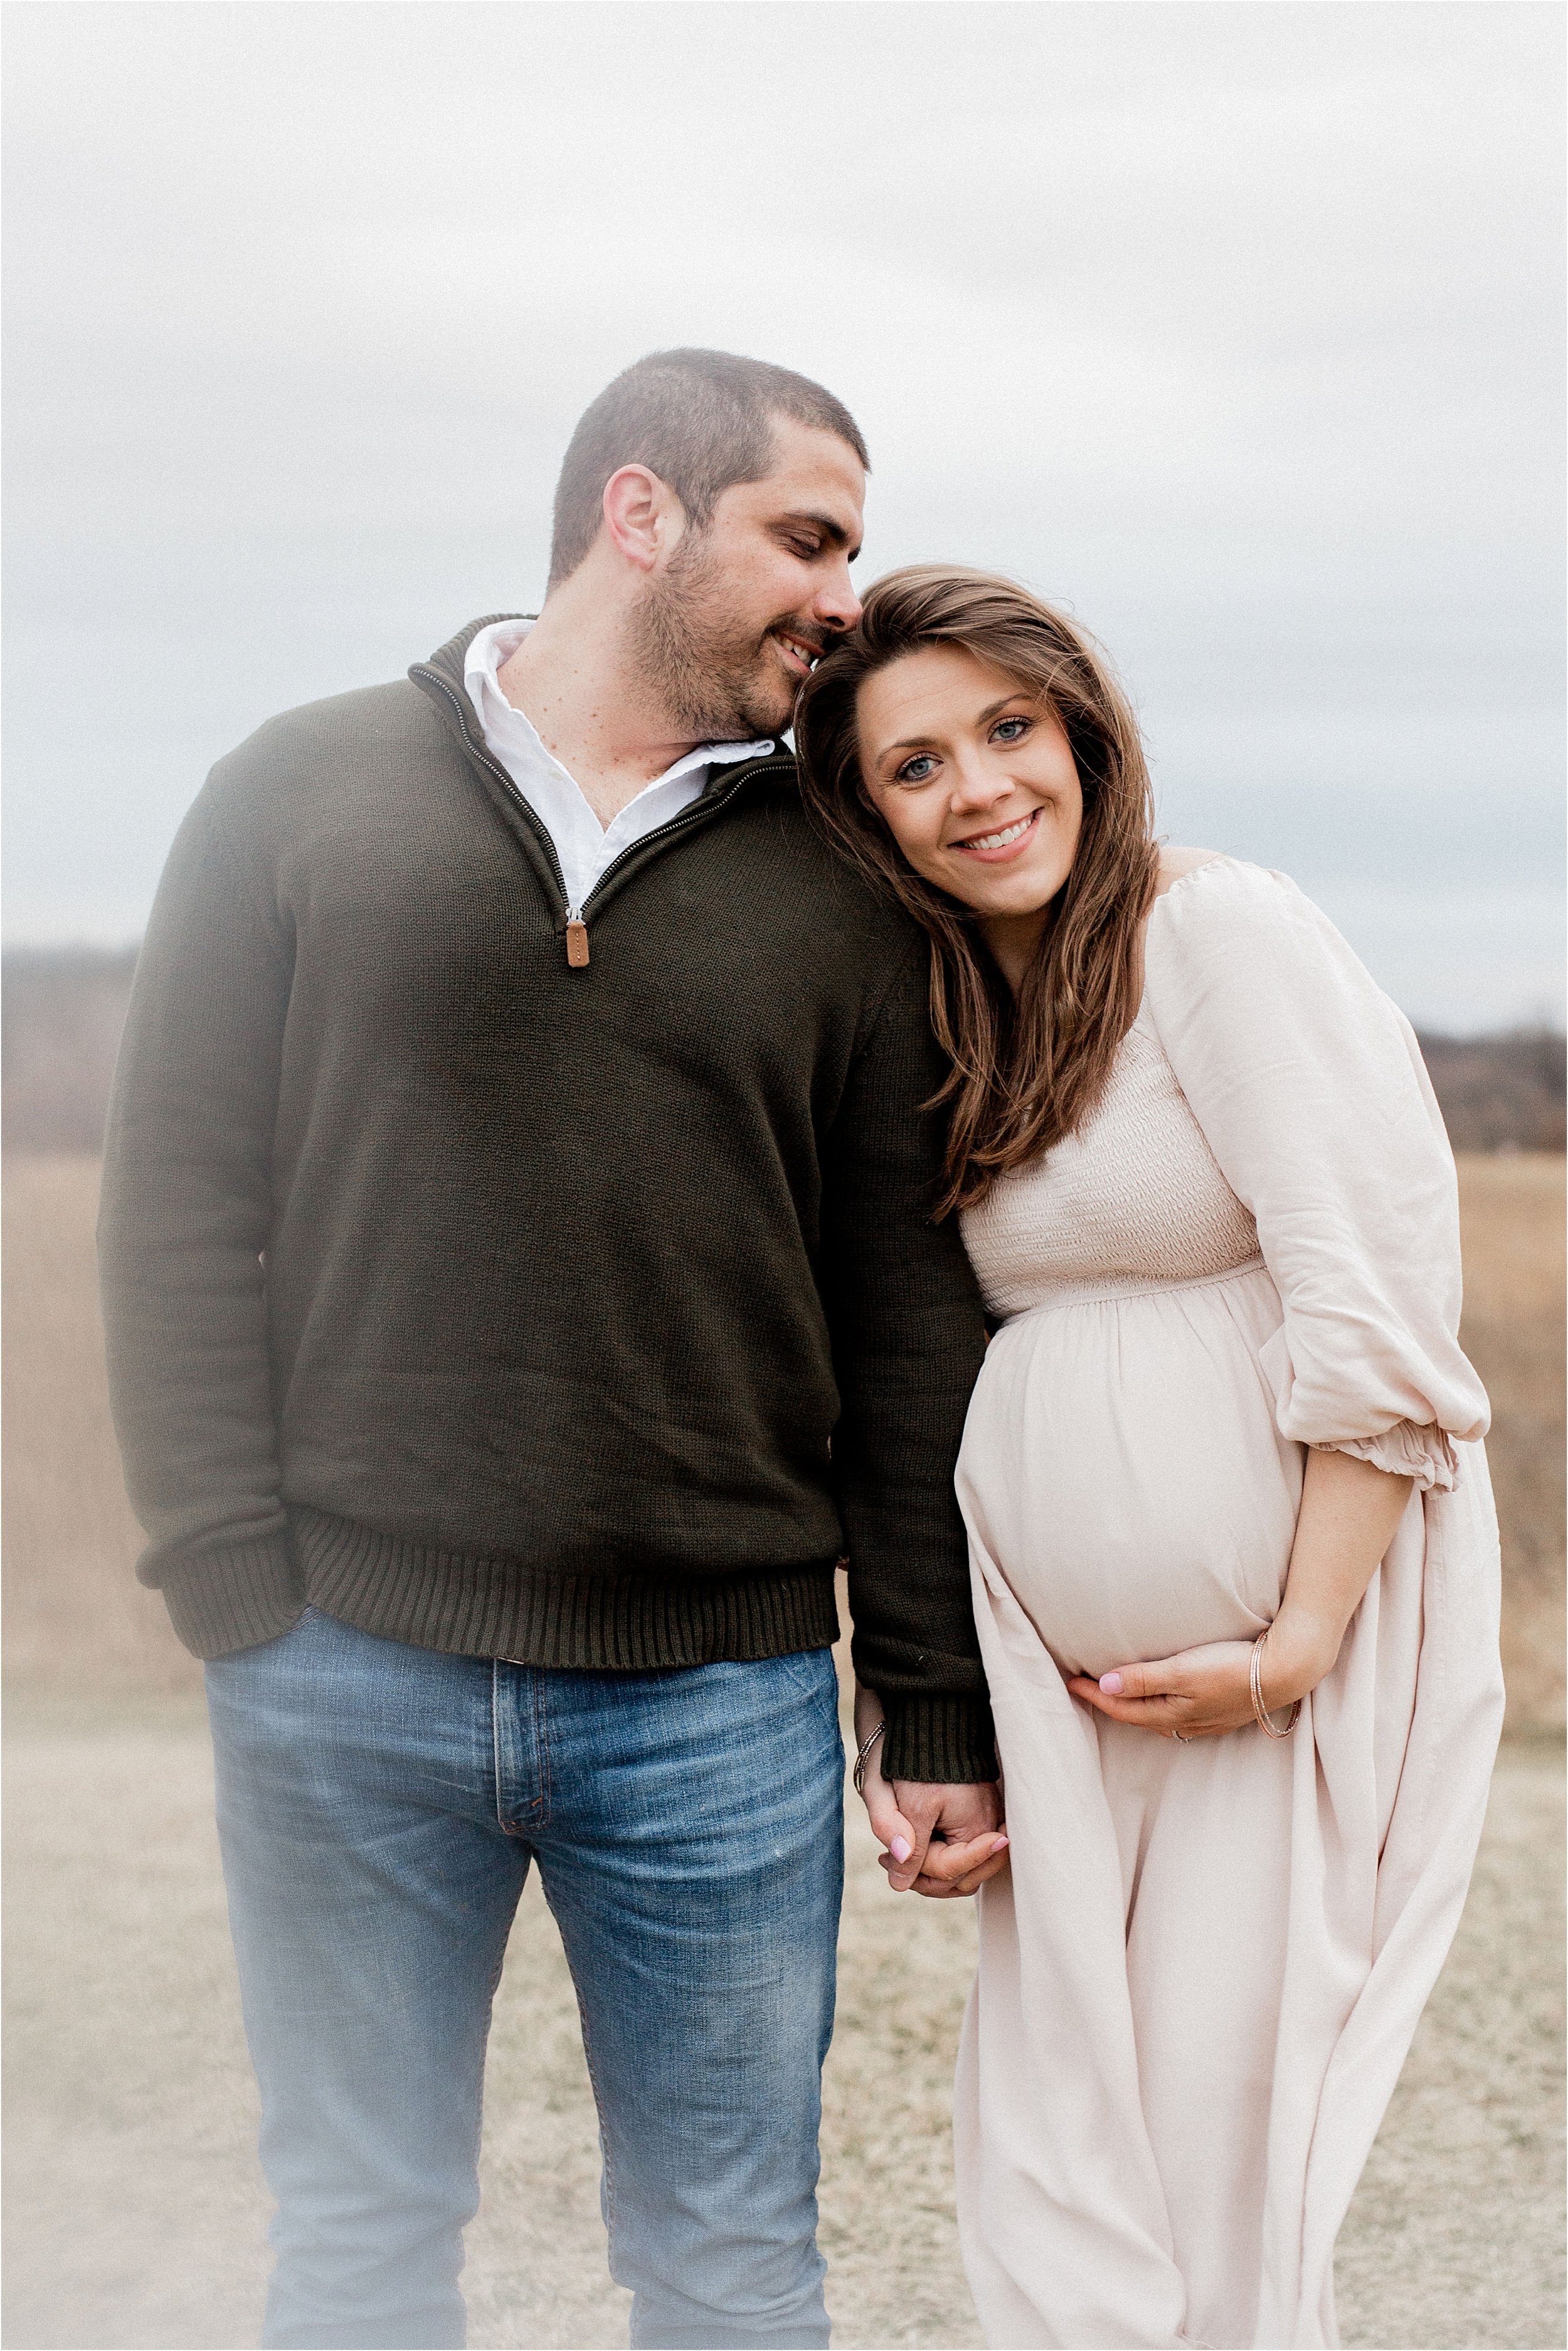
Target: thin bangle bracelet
{"x": 1256, "y": 1679}
{"x": 860, "y": 1758}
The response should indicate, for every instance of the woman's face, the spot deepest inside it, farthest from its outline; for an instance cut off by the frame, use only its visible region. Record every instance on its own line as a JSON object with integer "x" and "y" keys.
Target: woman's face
{"x": 974, "y": 777}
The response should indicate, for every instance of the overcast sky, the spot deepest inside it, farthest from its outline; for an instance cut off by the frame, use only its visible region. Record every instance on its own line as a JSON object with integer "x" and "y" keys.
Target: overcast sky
{"x": 1235, "y": 327}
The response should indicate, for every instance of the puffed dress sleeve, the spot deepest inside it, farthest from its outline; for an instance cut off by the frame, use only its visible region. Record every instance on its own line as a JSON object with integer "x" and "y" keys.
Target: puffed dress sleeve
{"x": 1309, "y": 1089}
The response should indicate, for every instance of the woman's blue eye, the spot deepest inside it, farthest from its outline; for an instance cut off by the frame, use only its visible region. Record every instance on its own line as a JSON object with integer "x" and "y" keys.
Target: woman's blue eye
{"x": 1023, "y": 726}
{"x": 922, "y": 761}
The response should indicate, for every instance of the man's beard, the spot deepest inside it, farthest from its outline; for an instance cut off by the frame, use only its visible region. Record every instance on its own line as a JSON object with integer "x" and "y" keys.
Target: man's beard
{"x": 717, "y": 681}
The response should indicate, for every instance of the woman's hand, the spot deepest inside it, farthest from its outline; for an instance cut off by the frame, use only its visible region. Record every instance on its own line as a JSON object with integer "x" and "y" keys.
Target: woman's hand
{"x": 1203, "y": 1693}
{"x": 917, "y": 1855}
{"x": 1349, "y": 1511}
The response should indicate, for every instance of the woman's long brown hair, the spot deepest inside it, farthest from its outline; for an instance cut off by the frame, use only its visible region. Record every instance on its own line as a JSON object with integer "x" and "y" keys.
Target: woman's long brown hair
{"x": 1025, "y": 1072}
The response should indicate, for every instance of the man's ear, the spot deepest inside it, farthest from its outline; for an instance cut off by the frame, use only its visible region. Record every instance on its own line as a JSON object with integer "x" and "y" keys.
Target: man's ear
{"x": 642, "y": 515}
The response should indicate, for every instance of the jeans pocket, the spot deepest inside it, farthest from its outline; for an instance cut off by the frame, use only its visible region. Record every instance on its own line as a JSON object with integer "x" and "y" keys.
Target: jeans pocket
{"x": 240, "y": 1659}
{"x": 813, "y": 1672}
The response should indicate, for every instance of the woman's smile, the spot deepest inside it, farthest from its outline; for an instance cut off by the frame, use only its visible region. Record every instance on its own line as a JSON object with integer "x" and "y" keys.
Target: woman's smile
{"x": 1010, "y": 841}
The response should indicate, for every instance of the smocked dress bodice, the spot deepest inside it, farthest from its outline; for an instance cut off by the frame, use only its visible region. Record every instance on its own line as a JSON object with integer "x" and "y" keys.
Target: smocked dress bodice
{"x": 1135, "y": 1197}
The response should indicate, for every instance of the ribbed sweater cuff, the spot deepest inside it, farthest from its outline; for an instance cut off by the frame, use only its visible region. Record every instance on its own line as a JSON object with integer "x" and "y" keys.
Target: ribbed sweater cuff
{"x": 950, "y": 1740}
{"x": 233, "y": 1596}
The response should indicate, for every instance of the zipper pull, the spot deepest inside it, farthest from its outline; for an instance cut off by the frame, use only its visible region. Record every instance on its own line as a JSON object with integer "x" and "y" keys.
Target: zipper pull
{"x": 576, "y": 939}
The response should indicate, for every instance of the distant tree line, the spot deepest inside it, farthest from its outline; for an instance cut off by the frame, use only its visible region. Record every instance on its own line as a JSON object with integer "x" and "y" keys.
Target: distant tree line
{"x": 63, "y": 1010}
{"x": 1503, "y": 1092}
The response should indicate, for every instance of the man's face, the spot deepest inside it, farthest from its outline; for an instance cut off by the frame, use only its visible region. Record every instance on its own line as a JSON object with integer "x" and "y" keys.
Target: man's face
{"x": 728, "y": 627}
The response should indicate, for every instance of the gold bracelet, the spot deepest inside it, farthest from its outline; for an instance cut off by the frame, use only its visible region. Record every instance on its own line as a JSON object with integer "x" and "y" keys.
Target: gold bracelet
{"x": 866, "y": 1750}
{"x": 1256, "y": 1679}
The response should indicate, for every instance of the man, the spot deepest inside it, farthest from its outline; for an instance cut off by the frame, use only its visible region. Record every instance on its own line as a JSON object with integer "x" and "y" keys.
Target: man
{"x": 520, "y": 1287}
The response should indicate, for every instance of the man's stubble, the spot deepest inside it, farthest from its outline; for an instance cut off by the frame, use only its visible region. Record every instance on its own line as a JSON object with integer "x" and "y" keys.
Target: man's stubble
{"x": 709, "y": 674}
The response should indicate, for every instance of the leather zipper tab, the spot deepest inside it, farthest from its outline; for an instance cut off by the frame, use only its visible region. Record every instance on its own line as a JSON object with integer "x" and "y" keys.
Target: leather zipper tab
{"x": 576, "y": 943}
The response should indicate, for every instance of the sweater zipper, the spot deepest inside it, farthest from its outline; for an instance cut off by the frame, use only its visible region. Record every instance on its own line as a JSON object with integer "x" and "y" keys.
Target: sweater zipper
{"x": 576, "y": 916}
{"x": 709, "y": 805}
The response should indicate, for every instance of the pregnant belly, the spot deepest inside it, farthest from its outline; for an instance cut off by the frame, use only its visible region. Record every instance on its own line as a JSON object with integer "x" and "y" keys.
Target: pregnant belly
{"x": 1121, "y": 1468}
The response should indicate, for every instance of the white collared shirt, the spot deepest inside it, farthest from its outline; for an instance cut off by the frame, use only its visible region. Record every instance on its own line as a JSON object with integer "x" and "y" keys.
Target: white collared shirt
{"x": 583, "y": 845}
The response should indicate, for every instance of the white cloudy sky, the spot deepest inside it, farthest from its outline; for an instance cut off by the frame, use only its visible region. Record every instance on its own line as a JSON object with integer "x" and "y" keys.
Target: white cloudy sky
{"x": 1236, "y": 326}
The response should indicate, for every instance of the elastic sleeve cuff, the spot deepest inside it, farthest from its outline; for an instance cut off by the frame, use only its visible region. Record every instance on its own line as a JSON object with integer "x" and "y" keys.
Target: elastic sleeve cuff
{"x": 946, "y": 1739}
{"x": 1426, "y": 1454}
{"x": 231, "y": 1596}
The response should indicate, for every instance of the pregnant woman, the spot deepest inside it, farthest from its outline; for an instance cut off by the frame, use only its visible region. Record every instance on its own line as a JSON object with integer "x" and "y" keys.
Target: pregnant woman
{"x": 1234, "y": 1552}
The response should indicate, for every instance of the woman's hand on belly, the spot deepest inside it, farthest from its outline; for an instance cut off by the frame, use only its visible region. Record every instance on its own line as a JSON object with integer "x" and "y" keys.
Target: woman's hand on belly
{"x": 1203, "y": 1693}
{"x": 1349, "y": 1511}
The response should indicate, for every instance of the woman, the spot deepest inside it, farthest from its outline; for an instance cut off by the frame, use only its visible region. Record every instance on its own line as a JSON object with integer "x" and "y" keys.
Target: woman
{"x": 1233, "y": 1548}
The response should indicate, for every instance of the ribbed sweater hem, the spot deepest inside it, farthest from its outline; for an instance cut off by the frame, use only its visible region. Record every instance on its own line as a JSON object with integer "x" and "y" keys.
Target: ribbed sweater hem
{"x": 236, "y": 1595}
{"x": 502, "y": 1608}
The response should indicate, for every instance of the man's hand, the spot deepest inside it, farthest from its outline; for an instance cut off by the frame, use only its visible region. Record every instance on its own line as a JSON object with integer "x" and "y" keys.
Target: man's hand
{"x": 942, "y": 1841}
{"x": 955, "y": 1838}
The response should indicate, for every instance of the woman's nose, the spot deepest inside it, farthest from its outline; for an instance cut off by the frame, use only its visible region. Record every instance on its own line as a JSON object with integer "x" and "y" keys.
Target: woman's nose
{"x": 976, "y": 785}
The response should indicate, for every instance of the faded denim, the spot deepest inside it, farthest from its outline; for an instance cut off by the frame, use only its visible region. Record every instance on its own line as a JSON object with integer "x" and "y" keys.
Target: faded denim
{"x": 378, "y": 1807}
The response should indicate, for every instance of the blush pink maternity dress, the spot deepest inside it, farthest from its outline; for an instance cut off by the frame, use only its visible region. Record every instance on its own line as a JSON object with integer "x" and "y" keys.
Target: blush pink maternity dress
{"x": 1200, "y": 1977}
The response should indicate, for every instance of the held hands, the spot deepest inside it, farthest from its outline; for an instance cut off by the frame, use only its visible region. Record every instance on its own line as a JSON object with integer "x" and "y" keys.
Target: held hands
{"x": 1203, "y": 1693}
{"x": 940, "y": 1841}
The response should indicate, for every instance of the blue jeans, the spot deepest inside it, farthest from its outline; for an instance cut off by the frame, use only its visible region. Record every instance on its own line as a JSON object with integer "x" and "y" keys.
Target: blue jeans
{"x": 378, "y": 1806}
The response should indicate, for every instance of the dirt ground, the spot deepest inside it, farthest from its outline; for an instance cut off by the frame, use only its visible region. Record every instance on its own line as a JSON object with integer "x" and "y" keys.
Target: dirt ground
{"x": 135, "y": 2211}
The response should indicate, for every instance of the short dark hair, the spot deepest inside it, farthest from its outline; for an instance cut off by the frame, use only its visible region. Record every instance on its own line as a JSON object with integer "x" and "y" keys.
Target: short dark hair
{"x": 700, "y": 420}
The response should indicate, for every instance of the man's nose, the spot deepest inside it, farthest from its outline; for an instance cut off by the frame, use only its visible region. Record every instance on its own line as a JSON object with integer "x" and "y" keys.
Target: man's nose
{"x": 835, "y": 605}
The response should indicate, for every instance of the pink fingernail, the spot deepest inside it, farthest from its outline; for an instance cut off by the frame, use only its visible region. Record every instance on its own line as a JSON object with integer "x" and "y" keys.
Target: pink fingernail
{"x": 1000, "y": 1843}
{"x": 901, "y": 1848}
{"x": 1111, "y": 1685}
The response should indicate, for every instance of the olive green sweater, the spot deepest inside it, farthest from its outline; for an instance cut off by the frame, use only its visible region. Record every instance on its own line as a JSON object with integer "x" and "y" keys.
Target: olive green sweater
{"x": 580, "y": 1312}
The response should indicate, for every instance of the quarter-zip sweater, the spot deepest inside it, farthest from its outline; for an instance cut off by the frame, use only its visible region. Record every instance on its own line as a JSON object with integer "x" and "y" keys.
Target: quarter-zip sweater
{"x": 563, "y": 1291}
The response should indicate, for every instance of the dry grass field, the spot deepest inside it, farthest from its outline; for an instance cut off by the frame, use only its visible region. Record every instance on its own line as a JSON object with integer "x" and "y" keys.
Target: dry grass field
{"x": 76, "y": 1619}
{"x": 1512, "y": 1209}
{"x": 135, "y": 2209}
